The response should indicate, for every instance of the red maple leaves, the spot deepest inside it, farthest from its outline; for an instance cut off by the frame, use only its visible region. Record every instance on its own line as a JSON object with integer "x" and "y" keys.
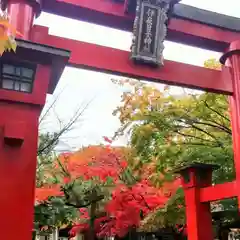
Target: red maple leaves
{"x": 126, "y": 209}
{"x": 129, "y": 203}
{"x": 42, "y": 194}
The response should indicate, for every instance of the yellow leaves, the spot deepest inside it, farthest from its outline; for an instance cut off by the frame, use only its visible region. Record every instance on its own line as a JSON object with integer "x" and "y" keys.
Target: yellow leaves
{"x": 127, "y": 81}
{"x": 12, "y": 45}
{"x": 7, "y": 45}
{"x": 7, "y": 35}
{"x": 2, "y": 47}
{"x": 148, "y": 129}
{"x": 212, "y": 64}
{"x": 145, "y": 99}
{"x": 139, "y": 103}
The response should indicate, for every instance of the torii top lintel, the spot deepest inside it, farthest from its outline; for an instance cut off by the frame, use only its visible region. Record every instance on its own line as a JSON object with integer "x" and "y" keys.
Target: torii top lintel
{"x": 105, "y": 59}
{"x": 189, "y": 25}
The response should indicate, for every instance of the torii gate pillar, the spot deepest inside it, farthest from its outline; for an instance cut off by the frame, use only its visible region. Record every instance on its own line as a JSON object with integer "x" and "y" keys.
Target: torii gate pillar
{"x": 22, "y": 14}
{"x": 26, "y": 77}
{"x": 232, "y": 59}
{"x": 196, "y": 178}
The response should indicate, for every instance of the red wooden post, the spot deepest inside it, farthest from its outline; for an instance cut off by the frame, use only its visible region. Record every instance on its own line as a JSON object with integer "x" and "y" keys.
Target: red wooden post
{"x": 18, "y": 147}
{"x": 233, "y": 60}
{"x": 198, "y": 215}
{"x": 22, "y": 14}
{"x": 36, "y": 70}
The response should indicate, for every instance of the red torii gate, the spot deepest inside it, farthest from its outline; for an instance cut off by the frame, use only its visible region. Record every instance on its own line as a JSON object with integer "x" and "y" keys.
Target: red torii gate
{"x": 198, "y": 28}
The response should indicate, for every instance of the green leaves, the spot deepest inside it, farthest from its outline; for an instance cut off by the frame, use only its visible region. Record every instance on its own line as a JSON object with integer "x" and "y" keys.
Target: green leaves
{"x": 171, "y": 130}
{"x": 54, "y": 214}
{"x": 179, "y": 129}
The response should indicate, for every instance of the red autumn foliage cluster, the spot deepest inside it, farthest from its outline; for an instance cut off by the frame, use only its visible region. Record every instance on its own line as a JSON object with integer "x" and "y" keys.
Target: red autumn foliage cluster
{"x": 42, "y": 194}
{"x": 128, "y": 205}
{"x": 85, "y": 163}
{"x": 101, "y": 161}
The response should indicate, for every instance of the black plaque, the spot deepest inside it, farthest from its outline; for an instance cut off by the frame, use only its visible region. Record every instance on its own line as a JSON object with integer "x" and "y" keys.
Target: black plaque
{"x": 150, "y": 29}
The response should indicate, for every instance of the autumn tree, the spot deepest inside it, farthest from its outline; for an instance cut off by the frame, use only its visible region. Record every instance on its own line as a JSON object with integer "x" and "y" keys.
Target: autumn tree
{"x": 190, "y": 127}
{"x": 50, "y": 209}
{"x": 130, "y": 199}
{"x": 169, "y": 130}
{"x": 82, "y": 178}
{"x": 111, "y": 201}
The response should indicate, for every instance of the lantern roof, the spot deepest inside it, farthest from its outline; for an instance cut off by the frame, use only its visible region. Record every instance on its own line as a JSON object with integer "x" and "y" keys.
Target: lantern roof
{"x": 196, "y": 165}
{"x": 55, "y": 58}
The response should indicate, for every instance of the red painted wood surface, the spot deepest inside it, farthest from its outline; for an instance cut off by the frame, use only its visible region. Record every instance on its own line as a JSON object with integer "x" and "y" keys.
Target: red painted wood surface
{"x": 18, "y": 163}
{"x": 38, "y": 95}
{"x": 105, "y": 7}
{"x": 14, "y": 133}
{"x": 219, "y": 191}
{"x": 108, "y": 13}
{"x": 104, "y": 59}
{"x": 198, "y": 214}
{"x": 234, "y": 62}
{"x": 21, "y": 16}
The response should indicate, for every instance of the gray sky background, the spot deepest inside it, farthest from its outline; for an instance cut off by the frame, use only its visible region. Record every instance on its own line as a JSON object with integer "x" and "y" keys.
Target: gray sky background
{"x": 78, "y": 87}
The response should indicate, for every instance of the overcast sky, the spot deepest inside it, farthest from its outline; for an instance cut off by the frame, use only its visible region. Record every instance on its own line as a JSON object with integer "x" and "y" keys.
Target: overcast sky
{"x": 78, "y": 87}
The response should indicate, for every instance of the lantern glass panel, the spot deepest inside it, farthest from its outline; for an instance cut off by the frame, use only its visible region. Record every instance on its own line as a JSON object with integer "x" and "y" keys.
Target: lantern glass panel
{"x": 186, "y": 176}
{"x": 7, "y": 84}
{"x": 8, "y": 69}
{"x": 202, "y": 176}
{"x": 28, "y": 73}
{"x": 25, "y": 87}
{"x": 17, "y": 77}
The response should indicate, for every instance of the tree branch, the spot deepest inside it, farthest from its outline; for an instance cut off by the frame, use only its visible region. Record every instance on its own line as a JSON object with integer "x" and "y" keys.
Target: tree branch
{"x": 63, "y": 130}
{"x": 217, "y": 126}
{"x": 191, "y": 136}
{"x": 208, "y": 134}
{"x": 77, "y": 205}
{"x": 218, "y": 113}
{"x": 191, "y": 123}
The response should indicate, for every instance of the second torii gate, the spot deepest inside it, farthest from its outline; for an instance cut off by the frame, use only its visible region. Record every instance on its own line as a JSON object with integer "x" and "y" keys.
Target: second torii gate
{"x": 188, "y": 25}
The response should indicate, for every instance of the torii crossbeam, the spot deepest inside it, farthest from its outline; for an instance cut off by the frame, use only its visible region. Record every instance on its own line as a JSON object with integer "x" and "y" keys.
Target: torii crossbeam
{"x": 187, "y": 25}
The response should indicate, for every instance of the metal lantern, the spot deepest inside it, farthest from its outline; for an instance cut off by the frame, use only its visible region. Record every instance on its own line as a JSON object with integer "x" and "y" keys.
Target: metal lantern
{"x": 150, "y": 30}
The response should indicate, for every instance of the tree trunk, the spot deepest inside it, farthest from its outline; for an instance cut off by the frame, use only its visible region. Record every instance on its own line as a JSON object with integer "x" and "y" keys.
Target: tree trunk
{"x": 34, "y": 235}
{"x": 93, "y": 208}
